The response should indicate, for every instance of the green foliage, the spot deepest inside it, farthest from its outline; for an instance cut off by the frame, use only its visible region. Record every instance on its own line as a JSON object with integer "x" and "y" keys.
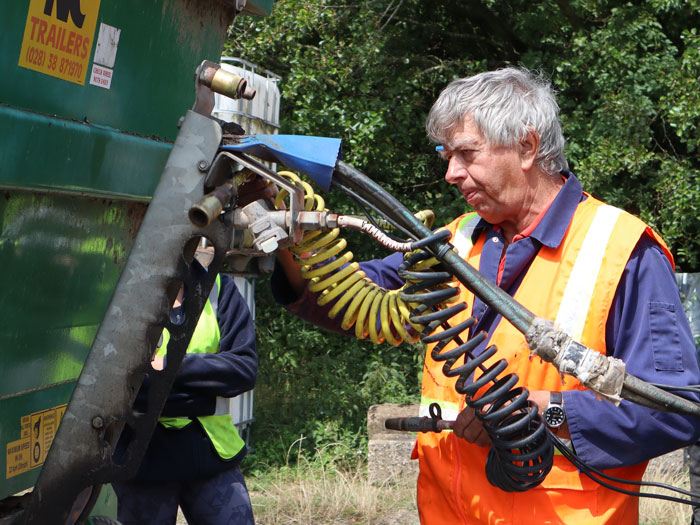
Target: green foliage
{"x": 627, "y": 74}
{"x": 629, "y": 96}
{"x": 368, "y": 71}
{"x": 318, "y": 386}
{"x": 360, "y": 71}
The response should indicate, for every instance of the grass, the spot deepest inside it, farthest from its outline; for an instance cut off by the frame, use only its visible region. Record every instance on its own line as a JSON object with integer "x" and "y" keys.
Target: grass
{"x": 317, "y": 490}
{"x": 669, "y": 470}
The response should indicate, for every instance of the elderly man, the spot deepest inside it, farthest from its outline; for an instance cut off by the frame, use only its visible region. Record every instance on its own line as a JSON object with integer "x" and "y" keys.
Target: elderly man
{"x": 598, "y": 272}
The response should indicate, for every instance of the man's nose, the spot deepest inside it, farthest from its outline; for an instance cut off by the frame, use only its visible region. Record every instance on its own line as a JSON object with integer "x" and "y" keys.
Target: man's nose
{"x": 455, "y": 170}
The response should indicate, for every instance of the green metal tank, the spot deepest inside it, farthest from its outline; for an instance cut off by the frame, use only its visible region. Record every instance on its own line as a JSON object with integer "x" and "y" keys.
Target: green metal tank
{"x": 90, "y": 96}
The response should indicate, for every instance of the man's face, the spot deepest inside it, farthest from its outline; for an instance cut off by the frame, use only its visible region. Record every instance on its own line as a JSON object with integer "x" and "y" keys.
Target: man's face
{"x": 490, "y": 178}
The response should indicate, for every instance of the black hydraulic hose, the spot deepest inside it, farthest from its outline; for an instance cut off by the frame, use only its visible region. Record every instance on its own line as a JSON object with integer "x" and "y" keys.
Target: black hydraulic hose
{"x": 599, "y": 477}
{"x": 364, "y": 204}
{"x": 522, "y": 454}
{"x": 634, "y": 389}
{"x": 656, "y": 398}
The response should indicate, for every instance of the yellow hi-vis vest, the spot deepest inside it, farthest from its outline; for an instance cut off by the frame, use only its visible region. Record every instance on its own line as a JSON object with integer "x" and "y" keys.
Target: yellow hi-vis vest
{"x": 574, "y": 285}
{"x": 220, "y": 428}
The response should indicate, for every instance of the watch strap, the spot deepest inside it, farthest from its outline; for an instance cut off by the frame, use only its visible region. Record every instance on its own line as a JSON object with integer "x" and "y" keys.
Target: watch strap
{"x": 556, "y": 398}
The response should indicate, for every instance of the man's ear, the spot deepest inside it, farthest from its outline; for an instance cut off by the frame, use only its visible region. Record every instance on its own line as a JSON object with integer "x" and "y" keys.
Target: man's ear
{"x": 529, "y": 146}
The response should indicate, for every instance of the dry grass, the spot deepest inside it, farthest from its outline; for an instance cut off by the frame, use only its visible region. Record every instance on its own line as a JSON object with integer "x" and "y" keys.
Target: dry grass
{"x": 316, "y": 491}
{"x": 669, "y": 470}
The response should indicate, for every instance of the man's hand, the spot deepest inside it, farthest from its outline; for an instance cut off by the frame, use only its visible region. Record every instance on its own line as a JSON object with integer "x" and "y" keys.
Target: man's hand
{"x": 540, "y": 398}
{"x": 158, "y": 362}
{"x": 467, "y": 426}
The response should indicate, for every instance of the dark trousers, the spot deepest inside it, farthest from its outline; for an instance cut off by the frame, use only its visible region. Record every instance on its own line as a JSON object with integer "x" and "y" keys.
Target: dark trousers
{"x": 219, "y": 500}
{"x": 182, "y": 469}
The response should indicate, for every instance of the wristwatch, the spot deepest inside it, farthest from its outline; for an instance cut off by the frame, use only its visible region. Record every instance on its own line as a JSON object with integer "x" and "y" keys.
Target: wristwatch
{"x": 554, "y": 414}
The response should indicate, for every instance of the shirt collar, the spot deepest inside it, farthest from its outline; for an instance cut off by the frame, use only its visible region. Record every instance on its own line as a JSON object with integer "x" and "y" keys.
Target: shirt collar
{"x": 552, "y": 228}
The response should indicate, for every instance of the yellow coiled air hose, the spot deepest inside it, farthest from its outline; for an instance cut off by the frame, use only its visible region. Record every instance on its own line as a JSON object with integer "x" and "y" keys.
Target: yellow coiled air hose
{"x": 320, "y": 256}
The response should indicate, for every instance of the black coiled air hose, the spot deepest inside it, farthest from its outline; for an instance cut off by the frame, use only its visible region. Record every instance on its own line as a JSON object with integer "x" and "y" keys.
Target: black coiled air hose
{"x": 522, "y": 453}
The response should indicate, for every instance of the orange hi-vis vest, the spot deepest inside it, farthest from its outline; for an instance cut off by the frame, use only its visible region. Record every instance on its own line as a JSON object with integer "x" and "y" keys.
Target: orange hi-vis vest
{"x": 574, "y": 285}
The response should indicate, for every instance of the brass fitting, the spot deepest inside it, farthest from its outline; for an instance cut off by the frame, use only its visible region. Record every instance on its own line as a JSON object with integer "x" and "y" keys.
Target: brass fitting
{"x": 208, "y": 209}
{"x": 225, "y": 83}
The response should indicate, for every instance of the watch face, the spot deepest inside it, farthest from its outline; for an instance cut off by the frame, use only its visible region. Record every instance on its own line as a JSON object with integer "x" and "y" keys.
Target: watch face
{"x": 554, "y": 416}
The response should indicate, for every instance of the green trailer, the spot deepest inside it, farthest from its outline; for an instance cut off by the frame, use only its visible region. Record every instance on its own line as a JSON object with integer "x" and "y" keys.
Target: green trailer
{"x": 91, "y": 96}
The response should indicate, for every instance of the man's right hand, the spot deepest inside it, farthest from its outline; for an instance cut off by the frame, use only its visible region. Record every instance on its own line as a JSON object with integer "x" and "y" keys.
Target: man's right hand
{"x": 469, "y": 427}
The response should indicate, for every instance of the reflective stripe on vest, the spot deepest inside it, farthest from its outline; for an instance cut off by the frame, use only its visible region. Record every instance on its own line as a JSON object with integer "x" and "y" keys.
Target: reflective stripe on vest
{"x": 205, "y": 339}
{"x": 574, "y": 284}
{"x": 462, "y": 238}
{"x": 579, "y": 289}
{"x": 449, "y": 411}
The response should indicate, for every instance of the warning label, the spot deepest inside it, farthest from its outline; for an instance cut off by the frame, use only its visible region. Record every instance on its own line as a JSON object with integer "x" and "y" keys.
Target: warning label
{"x": 58, "y": 37}
{"x": 101, "y": 76}
{"x": 36, "y": 436}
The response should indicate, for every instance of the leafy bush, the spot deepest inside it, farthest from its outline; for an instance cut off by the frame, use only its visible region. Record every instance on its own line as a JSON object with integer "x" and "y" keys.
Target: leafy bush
{"x": 318, "y": 386}
{"x": 627, "y": 76}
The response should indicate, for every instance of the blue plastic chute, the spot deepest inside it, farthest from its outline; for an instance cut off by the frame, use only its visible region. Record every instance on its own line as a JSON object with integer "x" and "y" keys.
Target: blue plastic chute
{"x": 313, "y": 156}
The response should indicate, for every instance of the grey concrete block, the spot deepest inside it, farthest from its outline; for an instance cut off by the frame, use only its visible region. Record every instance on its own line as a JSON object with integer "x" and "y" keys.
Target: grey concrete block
{"x": 389, "y": 451}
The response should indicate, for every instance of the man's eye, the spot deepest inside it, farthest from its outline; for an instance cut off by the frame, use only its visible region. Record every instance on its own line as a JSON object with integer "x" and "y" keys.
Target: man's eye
{"x": 467, "y": 154}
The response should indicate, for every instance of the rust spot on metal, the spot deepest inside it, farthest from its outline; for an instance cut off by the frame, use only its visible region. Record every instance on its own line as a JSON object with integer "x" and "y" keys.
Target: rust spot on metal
{"x": 190, "y": 17}
{"x": 135, "y": 212}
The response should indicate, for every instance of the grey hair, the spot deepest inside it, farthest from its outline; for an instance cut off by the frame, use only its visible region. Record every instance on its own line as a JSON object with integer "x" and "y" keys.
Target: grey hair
{"x": 505, "y": 105}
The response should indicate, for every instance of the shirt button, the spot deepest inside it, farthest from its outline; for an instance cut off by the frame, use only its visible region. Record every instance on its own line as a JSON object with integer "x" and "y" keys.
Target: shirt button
{"x": 494, "y": 239}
